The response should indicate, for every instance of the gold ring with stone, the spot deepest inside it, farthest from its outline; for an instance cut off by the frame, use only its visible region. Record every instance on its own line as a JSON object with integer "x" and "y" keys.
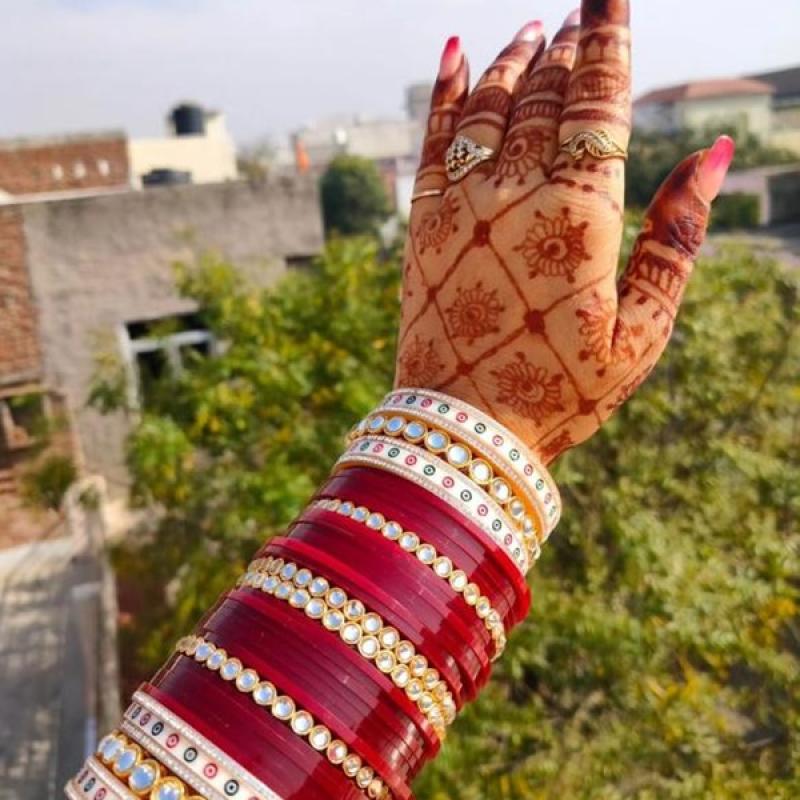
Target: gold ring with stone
{"x": 463, "y": 155}
{"x": 596, "y": 143}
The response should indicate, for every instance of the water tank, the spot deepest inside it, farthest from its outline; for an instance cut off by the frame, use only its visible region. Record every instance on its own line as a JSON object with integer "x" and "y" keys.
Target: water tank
{"x": 166, "y": 177}
{"x": 188, "y": 119}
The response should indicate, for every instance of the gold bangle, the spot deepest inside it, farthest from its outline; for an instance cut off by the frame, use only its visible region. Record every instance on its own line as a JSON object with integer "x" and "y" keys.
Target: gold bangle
{"x": 265, "y": 694}
{"x": 442, "y": 566}
{"x": 359, "y": 628}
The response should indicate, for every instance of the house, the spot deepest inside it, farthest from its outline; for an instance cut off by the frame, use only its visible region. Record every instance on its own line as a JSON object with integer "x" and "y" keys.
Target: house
{"x": 785, "y": 106}
{"x": 90, "y": 276}
{"x": 744, "y": 104}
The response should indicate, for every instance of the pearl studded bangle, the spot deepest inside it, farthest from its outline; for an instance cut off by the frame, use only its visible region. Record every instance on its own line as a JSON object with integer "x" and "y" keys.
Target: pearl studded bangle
{"x": 360, "y": 629}
{"x": 220, "y": 777}
{"x": 493, "y": 440}
{"x": 460, "y": 456}
{"x": 438, "y": 477}
{"x": 426, "y": 553}
{"x": 265, "y": 694}
{"x": 137, "y": 770}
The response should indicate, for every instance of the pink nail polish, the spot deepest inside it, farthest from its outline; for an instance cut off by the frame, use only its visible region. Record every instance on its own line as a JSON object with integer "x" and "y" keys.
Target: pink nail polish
{"x": 530, "y": 32}
{"x": 451, "y": 58}
{"x": 714, "y": 167}
{"x": 573, "y": 18}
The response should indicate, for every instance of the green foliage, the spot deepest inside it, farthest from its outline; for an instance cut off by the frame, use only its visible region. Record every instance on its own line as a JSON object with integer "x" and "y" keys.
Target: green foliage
{"x": 653, "y": 156}
{"x": 354, "y": 200}
{"x": 660, "y": 660}
{"x": 736, "y": 210}
{"x": 45, "y": 485}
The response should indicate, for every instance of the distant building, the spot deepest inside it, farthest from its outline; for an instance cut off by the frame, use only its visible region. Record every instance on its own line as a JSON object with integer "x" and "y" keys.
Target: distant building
{"x": 393, "y": 144}
{"x": 89, "y": 276}
{"x": 198, "y": 146}
{"x": 785, "y": 106}
{"x": 743, "y": 104}
{"x": 60, "y": 166}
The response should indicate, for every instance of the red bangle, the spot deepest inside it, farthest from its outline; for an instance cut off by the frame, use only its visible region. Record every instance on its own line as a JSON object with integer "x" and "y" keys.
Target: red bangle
{"x": 416, "y": 509}
{"x": 434, "y": 604}
{"x": 370, "y": 687}
{"x": 353, "y": 697}
{"x": 375, "y": 598}
{"x": 265, "y": 748}
{"x": 226, "y": 629}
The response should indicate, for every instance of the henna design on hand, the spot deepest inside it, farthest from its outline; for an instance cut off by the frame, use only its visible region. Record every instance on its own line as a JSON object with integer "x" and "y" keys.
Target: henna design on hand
{"x": 554, "y": 247}
{"x": 474, "y": 313}
{"x": 510, "y": 284}
{"x": 522, "y": 154}
{"x": 607, "y": 339}
{"x": 420, "y": 364}
{"x": 531, "y": 391}
{"x": 436, "y": 227}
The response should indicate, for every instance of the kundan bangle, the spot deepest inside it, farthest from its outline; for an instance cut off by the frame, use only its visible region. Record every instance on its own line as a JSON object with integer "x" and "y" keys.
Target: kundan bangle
{"x": 479, "y": 555}
{"x": 362, "y": 630}
{"x": 416, "y": 465}
{"x": 191, "y": 755}
{"x": 137, "y": 771}
{"x": 282, "y": 707}
{"x": 491, "y": 439}
{"x": 442, "y": 566}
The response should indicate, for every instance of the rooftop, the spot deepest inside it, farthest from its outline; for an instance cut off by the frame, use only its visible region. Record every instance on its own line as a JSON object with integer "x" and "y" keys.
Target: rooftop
{"x": 699, "y": 90}
{"x": 785, "y": 82}
{"x": 23, "y": 142}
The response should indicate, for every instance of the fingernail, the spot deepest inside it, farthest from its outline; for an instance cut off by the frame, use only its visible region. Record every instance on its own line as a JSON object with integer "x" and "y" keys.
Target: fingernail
{"x": 573, "y": 18}
{"x": 451, "y": 58}
{"x": 714, "y": 167}
{"x": 530, "y": 32}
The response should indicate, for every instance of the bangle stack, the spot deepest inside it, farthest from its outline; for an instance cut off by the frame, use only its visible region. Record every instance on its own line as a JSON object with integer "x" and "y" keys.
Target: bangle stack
{"x": 334, "y": 667}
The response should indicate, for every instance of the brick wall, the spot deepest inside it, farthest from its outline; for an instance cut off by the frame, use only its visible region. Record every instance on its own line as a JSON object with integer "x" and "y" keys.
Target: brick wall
{"x": 61, "y": 165}
{"x": 19, "y": 348}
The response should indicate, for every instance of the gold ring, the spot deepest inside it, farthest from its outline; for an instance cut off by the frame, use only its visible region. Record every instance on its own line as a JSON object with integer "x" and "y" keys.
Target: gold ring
{"x": 463, "y": 155}
{"x": 427, "y": 193}
{"x": 598, "y": 144}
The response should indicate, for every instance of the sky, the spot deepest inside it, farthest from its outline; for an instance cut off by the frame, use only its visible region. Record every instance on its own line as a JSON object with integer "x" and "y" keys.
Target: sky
{"x": 272, "y": 67}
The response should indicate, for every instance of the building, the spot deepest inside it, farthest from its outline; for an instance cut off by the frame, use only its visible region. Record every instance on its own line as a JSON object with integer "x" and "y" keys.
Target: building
{"x": 393, "y": 144}
{"x": 90, "y": 276}
{"x": 196, "y": 149}
{"x": 785, "y": 106}
{"x": 743, "y": 104}
{"x": 197, "y": 146}
{"x": 63, "y": 166}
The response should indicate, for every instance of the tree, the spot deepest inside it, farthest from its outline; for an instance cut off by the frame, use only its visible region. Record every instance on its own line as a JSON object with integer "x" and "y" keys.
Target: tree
{"x": 354, "y": 200}
{"x": 652, "y": 157}
{"x": 662, "y": 655}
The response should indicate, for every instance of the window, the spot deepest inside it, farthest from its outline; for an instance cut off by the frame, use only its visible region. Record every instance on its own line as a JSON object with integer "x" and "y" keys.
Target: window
{"x": 79, "y": 169}
{"x": 57, "y": 172}
{"x": 167, "y": 346}
{"x": 103, "y": 167}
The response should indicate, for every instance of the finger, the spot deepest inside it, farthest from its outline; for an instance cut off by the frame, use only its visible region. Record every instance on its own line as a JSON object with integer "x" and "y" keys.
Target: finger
{"x": 531, "y": 142}
{"x": 652, "y": 286}
{"x": 447, "y": 102}
{"x": 599, "y": 92}
{"x": 485, "y": 116}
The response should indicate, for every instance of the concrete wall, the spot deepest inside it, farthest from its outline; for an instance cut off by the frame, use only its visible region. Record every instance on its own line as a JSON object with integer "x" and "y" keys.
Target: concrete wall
{"x": 99, "y": 262}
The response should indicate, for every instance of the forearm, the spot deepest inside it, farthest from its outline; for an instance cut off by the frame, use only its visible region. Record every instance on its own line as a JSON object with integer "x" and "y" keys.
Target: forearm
{"x": 336, "y": 664}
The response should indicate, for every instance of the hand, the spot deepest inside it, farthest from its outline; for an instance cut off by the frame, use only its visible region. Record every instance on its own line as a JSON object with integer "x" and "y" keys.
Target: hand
{"x": 511, "y": 300}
